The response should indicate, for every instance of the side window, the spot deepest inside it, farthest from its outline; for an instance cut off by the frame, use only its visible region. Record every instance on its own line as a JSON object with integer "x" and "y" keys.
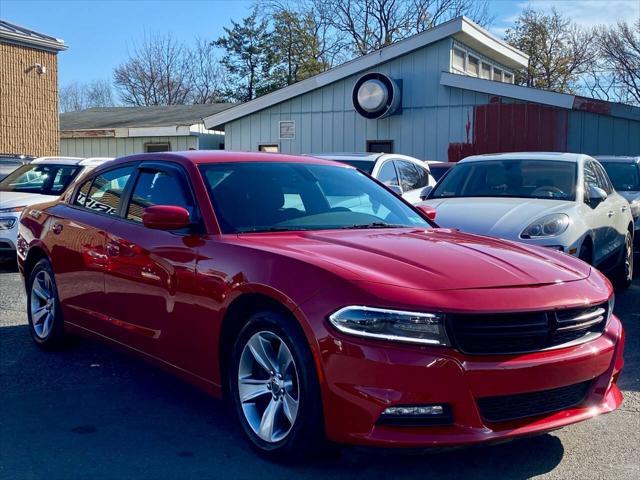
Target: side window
{"x": 590, "y": 179}
{"x": 410, "y": 177}
{"x": 157, "y": 188}
{"x": 388, "y": 175}
{"x": 106, "y": 191}
{"x": 423, "y": 177}
{"x": 83, "y": 193}
{"x": 603, "y": 179}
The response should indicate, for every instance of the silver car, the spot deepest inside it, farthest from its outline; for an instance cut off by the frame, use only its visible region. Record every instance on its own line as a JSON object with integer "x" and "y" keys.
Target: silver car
{"x": 557, "y": 200}
{"x": 624, "y": 173}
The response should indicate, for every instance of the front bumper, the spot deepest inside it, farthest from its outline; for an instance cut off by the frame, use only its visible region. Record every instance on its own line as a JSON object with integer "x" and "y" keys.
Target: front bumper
{"x": 361, "y": 378}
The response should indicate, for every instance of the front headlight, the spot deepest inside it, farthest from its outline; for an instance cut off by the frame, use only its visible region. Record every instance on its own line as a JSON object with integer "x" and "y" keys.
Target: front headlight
{"x": 7, "y": 223}
{"x": 635, "y": 208}
{"x": 393, "y": 325}
{"x": 12, "y": 209}
{"x": 548, "y": 226}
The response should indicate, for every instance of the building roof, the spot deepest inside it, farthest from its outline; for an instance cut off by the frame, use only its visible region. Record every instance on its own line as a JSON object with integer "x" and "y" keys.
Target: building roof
{"x": 154, "y": 116}
{"x": 460, "y": 28}
{"x": 18, "y": 35}
{"x": 536, "y": 95}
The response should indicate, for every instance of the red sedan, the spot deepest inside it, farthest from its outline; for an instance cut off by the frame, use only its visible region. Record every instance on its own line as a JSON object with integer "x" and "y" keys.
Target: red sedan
{"x": 319, "y": 303}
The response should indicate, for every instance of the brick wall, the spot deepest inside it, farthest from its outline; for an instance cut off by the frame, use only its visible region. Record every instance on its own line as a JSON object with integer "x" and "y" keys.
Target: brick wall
{"x": 28, "y": 101}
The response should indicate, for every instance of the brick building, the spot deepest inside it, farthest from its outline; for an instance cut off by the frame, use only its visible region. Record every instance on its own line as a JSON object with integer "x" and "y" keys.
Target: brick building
{"x": 28, "y": 91}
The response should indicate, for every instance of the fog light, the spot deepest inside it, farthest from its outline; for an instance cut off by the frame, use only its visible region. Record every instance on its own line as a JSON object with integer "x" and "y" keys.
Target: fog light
{"x": 417, "y": 415}
{"x": 7, "y": 223}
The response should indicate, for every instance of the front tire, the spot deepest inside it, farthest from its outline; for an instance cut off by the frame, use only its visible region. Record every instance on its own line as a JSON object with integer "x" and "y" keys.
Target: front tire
{"x": 274, "y": 388}
{"x": 43, "y": 307}
{"x": 623, "y": 272}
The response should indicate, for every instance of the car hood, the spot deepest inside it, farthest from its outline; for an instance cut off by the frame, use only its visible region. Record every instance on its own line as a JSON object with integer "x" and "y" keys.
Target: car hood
{"x": 497, "y": 217}
{"x": 630, "y": 196}
{"x": 19, "y": 199}
{"x": 432, "y": 259}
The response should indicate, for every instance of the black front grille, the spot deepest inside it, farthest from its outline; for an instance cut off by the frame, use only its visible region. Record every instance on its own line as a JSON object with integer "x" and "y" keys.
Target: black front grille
{"x": 513, "y": 407}
{"x": 524, "y": 332}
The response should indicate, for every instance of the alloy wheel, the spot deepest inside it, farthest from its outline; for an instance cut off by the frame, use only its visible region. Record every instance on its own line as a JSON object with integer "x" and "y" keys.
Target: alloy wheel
{"x": 268, "y": 386}
{"x": 43, "y": 304}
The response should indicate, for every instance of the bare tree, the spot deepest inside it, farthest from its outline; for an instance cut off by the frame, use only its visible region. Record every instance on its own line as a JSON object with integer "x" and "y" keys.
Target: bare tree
{"x": 157, "y": 72}
{"x": 207, "y": 76}
{"x": 619, "y": 51}
{"x": 373, "y": 24}
{"x": 76, "y": 96}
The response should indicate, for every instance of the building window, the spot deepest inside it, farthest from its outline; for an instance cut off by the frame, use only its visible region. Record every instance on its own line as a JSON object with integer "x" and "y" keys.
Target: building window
{"x": 268, "y": 148}
{"x": 507, "y": 77}
{"x": 458, "y": 59}
{"x": 473, "y": 66}
{"x": 157, "y": 147}
{"x": 486, "y": 71}
{"x": 497, "y": 74}
{"x": 380, "y": 146}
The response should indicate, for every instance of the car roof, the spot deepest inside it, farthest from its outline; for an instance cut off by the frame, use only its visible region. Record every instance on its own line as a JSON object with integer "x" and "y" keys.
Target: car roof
{"x": 617, "y": 158}
{"x": 203, "y": 157}
{"x": 359, "y": 156}
{"x": 556, "y": 156}
{"x": 58, "y": 160}
{"x": 94, "y": 161}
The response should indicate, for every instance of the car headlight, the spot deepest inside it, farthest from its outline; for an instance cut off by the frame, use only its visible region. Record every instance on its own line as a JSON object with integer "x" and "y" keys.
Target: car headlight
{"x": 635, "y": 208}
{"x": 7, "y": 223}
{"x": 548, "y": 226}
{"x": 12, "y": 209}
{"x": 393, "y": 325}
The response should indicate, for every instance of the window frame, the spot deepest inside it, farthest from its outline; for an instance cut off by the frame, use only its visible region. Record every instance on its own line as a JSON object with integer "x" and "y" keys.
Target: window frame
{"x": 155, "y": 144}
{"x": 478, "y": 62}
{"x": 390, "y": 143}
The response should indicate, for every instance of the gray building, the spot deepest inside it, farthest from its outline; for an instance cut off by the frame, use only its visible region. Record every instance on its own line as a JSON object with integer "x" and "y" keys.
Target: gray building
{"x": 442, "y": 94}
{"x": 117, "y": 131}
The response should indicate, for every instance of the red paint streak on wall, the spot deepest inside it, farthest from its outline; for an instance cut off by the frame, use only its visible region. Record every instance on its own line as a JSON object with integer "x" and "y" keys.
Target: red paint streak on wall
{"x": 591, "y": 105}
{"x": 512, "y": 127}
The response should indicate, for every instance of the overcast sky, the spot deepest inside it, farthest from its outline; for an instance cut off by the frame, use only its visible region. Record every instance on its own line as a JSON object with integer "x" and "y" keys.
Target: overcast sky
{"x": 99, "y": 32}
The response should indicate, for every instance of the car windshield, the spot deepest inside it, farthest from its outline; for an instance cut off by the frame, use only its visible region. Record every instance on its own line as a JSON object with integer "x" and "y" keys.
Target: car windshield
{"x": 624, "y": 176}
{"x": 45, "y": 179}
{"x": 269, "y": 196}
{"x": 546, "y": 179}
{"x": 8, "y": 166}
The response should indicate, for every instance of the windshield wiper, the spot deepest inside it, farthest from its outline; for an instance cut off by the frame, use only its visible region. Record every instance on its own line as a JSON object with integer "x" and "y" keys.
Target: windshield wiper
{"x": 373, "y": 225}
{"x": 269, "y": 229}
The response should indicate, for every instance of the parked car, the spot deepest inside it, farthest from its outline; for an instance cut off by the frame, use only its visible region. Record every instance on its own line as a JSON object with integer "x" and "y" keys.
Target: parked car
{"x": 406, "y": 176}
{"x": 9, "y": 162}
{"x": 624, "y": 173}
{"x": 562, "y": 201}
{"x": 439, "y": 169}
{"x": 368, "y": 326}
{"x": 40, "y": 180}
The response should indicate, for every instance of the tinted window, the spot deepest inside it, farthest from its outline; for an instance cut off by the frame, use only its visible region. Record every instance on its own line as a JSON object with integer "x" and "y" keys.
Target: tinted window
{"x": 510, "y": 178}
{"x": 268, "y": 196}
{"x": 106, "y": 192}
{"x": 388, "y": 175}
{"x": 44, "y": 179}
{"x": 157, "y": 188}
{"x": 624, "y": 176}
{"x": 411, "y": 177}
{"x": 83, "y": 192}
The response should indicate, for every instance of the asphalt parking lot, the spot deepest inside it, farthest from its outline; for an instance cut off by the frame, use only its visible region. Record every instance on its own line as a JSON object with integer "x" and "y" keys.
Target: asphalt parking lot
{"x": 92, "y": 411}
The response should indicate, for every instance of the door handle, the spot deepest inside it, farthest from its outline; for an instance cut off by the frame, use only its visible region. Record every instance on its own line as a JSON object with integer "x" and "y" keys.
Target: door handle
{"x": 624, "y": 208}
{"x": 57, "y": 228}
{"x": 113, "y": 250}
{"x": 611, "y": 213}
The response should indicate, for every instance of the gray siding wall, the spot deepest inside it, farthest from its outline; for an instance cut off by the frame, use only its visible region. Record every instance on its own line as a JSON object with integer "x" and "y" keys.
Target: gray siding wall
{"x": 117, "y": 147}
{"x": 432, "y": 115}
{"x": 595, "y": 134}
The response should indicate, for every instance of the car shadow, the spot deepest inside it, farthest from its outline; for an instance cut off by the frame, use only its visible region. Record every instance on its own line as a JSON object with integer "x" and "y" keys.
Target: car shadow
{"x": 92, "y": 411}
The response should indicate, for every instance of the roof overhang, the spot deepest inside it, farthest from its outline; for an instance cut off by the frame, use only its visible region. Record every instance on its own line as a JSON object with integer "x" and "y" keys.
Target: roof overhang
{"x": 130, "y": 132}
{"x": 460, "y": 27}
{"x": 16, "y": 38}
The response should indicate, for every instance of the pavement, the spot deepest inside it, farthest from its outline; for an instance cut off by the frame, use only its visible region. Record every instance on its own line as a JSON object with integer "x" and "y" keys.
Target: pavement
{"x": 92, "y": 411}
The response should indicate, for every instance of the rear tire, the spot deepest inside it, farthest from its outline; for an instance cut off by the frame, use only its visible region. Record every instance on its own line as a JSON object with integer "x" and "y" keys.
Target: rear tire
{"x": 274, "y": 389}
{"x": 43, "y": 307}
{"x": 623, "y": 271}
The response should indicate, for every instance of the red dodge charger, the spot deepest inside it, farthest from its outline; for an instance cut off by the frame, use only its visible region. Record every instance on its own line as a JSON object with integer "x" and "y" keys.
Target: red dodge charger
{"x": 320, "y": 304}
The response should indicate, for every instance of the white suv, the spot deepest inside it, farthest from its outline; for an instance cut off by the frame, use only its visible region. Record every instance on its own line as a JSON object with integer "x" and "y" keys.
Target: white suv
{"x": 41, "y": 180}
{"x": 407, "y": 176}
{"x": 558, "y": 200}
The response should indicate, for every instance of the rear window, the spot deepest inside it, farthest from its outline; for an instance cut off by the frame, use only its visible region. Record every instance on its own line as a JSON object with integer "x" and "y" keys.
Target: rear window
{"x": 44, "y": 179}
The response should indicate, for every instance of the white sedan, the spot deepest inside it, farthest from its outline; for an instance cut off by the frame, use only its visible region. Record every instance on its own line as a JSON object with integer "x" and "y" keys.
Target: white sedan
{"x": 557, "y": 200}
{"x": 406, "y": 176}
{"x": 39, "y": 181}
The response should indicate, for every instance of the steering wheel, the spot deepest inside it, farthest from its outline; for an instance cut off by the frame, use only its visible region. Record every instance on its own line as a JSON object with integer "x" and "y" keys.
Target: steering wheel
{"x": 547, "y": 189}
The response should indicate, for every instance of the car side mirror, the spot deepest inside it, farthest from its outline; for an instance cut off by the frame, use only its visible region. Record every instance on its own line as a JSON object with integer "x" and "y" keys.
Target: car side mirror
{"x": 596, "y": 195}
{"x": 425, "y": 192}
{"x": 165, "y": 217}
{"x": 427, "y": 211}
